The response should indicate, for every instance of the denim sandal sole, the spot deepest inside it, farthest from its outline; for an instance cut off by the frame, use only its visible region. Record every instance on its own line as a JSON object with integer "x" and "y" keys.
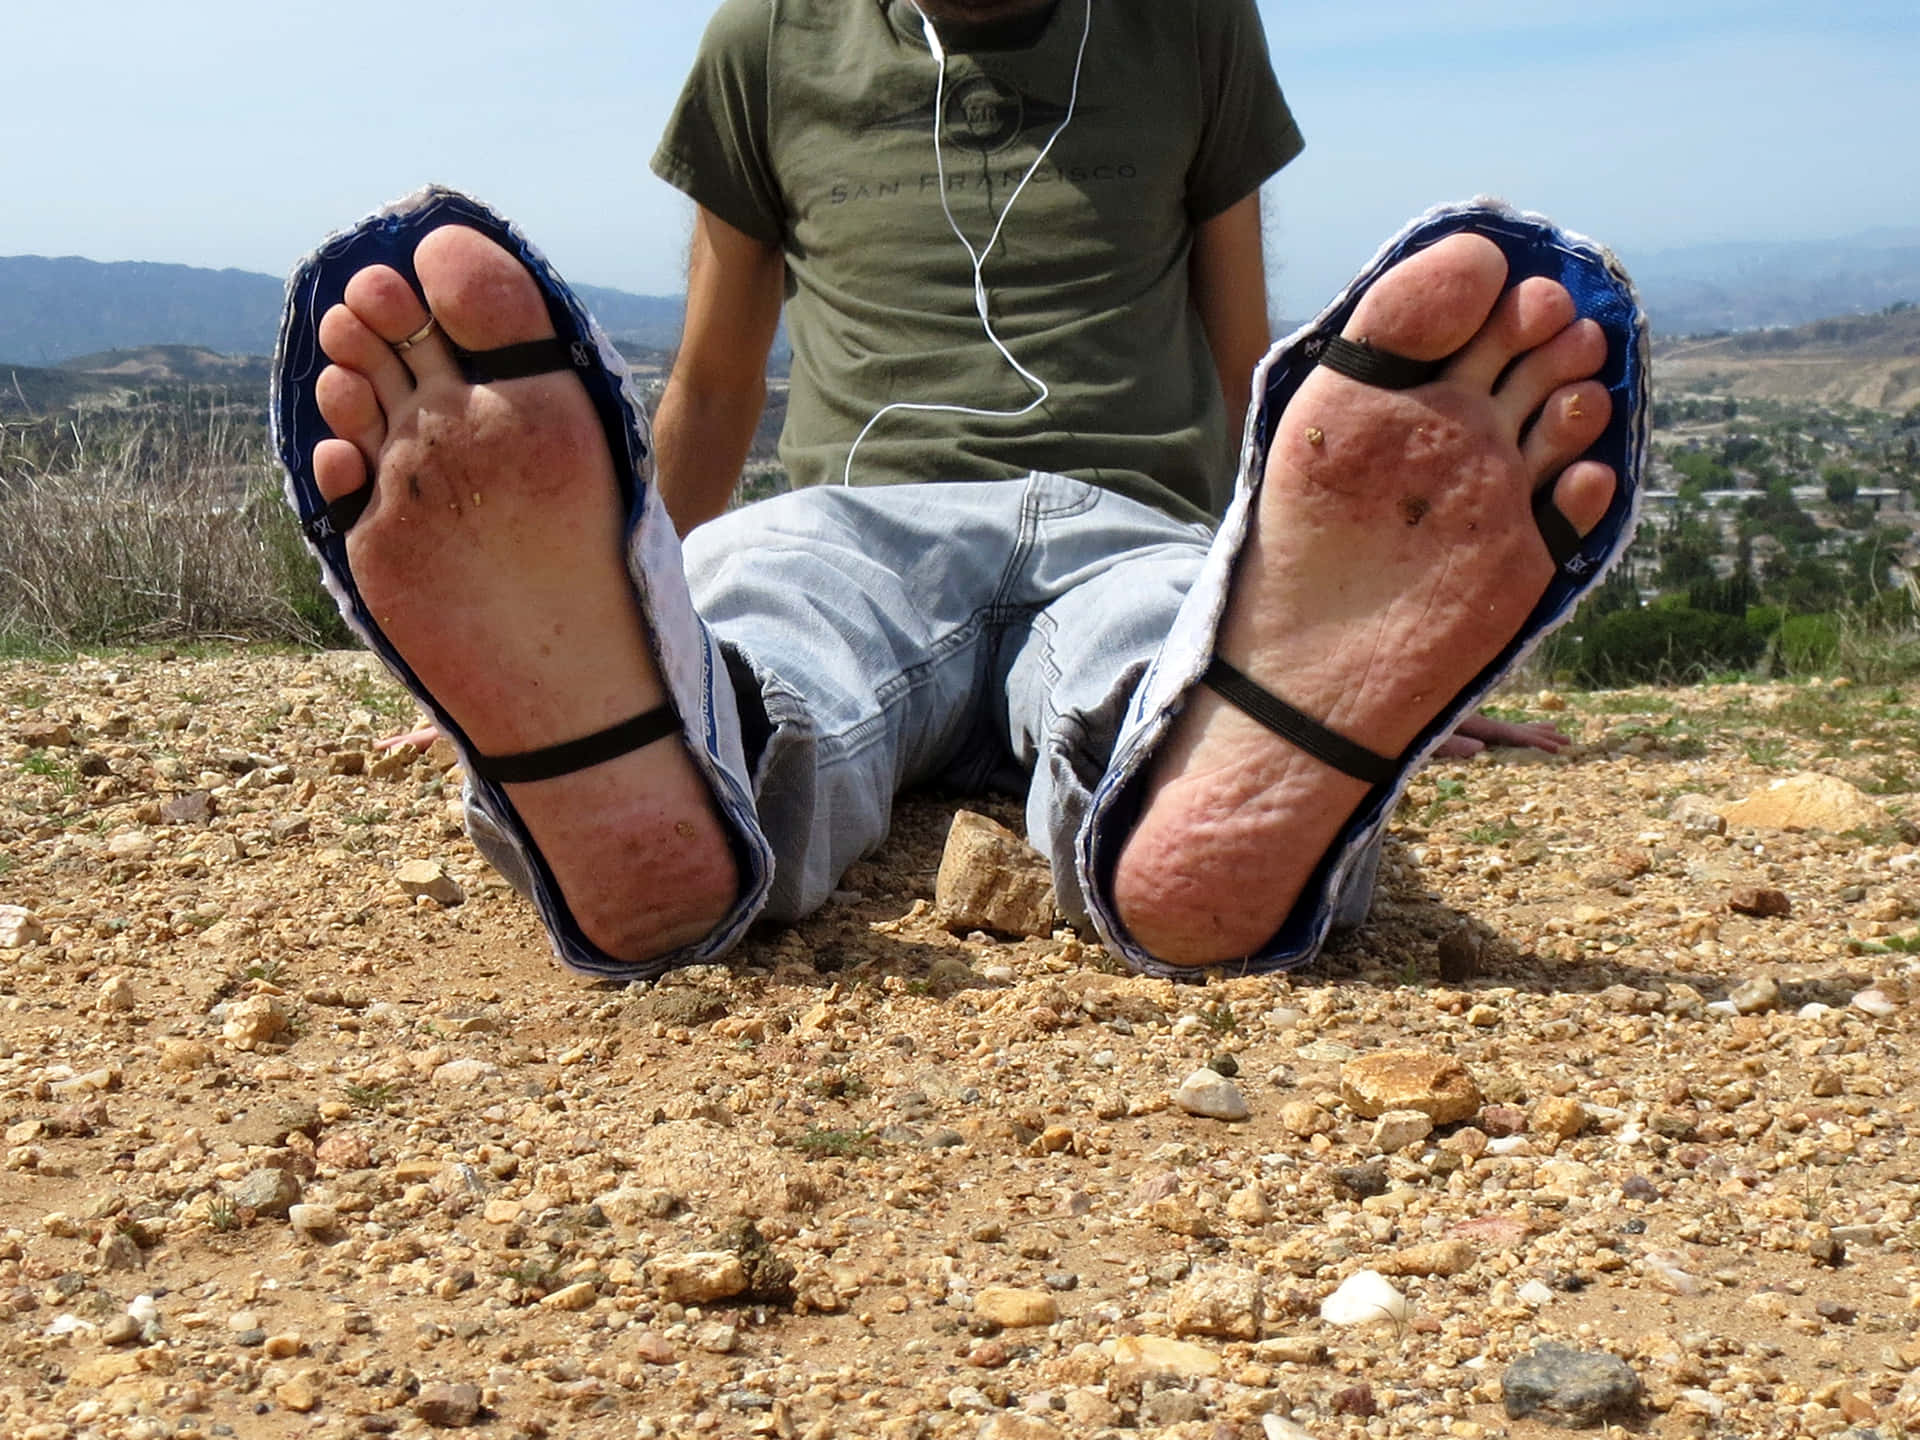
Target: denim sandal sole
{"x": 1602, "y": 292}
{"x": 685, "y": 653}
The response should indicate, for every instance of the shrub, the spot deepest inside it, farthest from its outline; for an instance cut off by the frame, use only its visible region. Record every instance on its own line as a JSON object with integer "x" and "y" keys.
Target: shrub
{"x": 1662, "y": 644}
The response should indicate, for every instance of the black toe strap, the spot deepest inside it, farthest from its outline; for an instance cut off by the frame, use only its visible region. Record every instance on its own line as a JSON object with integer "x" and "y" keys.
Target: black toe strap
{"x": 477, "y": 367}
{"x": 1563, "y": 541}
{"x": 1382, "y": 369}
{"x": 340, "y": 516}
{"x": 1290, "y": 725}
{"x": 517, "y": 362}
{"x": 572, "y": 755}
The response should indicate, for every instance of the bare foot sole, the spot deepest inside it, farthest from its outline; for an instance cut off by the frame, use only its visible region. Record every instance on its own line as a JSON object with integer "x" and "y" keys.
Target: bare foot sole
{"x": 490, "y": 555}
{"x": 1393, "y": 554}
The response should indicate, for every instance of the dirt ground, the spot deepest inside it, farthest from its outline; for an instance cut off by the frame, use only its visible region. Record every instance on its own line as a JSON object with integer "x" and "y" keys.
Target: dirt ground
{"x": 295, "y": 1148}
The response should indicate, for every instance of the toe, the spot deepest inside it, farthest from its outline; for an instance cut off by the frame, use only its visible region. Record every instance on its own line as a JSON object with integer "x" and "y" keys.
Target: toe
{"x": 1583, "y": 492}
{"x": 387, "y": 306}
{"x": 483, "y": 297}
{"x": 338, "y": 469}
{"x": 1572, "y": 419}
{"x": 1528, "y": 315}
{"x": 1434, "y": 302}
{"x": 352, "y": 410}
{"x": 1576, "y": 353}
{"x": 348, "y": 341}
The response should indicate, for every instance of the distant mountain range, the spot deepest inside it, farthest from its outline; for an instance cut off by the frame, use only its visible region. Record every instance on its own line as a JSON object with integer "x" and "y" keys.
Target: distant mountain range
{"x": 54, "y": 310}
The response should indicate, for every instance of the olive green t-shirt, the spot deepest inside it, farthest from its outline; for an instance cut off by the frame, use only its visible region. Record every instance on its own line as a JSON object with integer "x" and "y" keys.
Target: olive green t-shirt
{"x": 809, "y": 124}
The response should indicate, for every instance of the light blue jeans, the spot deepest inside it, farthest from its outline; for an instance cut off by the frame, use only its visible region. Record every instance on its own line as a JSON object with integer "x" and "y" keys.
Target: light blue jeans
{"x": 979, "y": 637}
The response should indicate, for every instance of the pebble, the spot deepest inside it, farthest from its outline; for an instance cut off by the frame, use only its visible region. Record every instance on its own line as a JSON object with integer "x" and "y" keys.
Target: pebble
{"x": 448, "y": 1406}
{"x": 1220, "y": 1300}
{"x": 1154, "y": 1357}
{"x": 698, "y": 1277}
{"x": 19, "y": 928}
{"x": 425, "y": 878}
{"x": 1437, "y": 1085}
{"x": 1751, "y": 997}
{"x": 267, "y": 1192}
{"x": 1876, "y": 1003}
{"x": 1011, "y": 1308}
{"x": 1398, "y": 1129}
{"x": 1212, "y": 1096}
{"x": 255, "y": 1021}
{"x": 1571, "y": 1387}
{"x": 1364, "y": 1297}
{"x": 1762, "y": 901}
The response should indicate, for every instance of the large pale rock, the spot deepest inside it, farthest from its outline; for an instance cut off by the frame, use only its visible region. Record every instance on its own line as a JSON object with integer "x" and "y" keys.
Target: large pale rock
{"x": 424, "y": 877}
{"x": 1152, "y": 1357}
{"x": 1438, "y": 1257}
{"x": 1013, "y": 1309}
{"x": 698, "y": 1277}
{"x": 1211, "y": 1095}
{"x": 991, "y": 879}
{"x": 1364, "y": 1297}
{"x": 1436, "y": 1085}
{"x": 19, "y": 928}
{"x": 255, "y": 1021}
{"x": 1808, "y": 801}
{"x": 1221, "y": 1300}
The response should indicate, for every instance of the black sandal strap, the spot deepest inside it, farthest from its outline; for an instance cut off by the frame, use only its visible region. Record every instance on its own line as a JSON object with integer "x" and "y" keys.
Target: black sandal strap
{"x": 572, "y": 755}
{"x": 477, "y": 367}
{"x": 1382, "y": 369}
{"x": 1290, "y": 725}
{"x": 517, "y": 362}
{"x": 340, "y": 516}
{"x": 1563, "y": 541}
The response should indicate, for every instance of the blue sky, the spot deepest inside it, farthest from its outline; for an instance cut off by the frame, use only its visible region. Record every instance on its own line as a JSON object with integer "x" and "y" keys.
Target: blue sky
{"x": 236, "y": 133}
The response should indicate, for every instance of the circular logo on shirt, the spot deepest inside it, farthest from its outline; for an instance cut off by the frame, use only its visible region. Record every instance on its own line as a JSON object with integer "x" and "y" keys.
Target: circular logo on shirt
{"x": 983, "y": 116}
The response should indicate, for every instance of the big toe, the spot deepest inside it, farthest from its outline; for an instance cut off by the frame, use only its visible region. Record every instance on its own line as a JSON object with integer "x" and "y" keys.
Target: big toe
{"x": 1434, "y": 302}
{"x": 483, "y": 296}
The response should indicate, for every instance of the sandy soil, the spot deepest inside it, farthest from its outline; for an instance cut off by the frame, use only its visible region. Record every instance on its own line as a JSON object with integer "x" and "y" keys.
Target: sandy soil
{"x": 877, "y": 1179}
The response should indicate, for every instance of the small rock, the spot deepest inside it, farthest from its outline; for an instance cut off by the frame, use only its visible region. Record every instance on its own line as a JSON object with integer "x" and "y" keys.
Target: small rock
{"x": 1356, "y": 1400}
{"x": 1559, "y": 1118}
{"x": 425, "y": 877}
{"x": 1809, "y": 802}
{"x": 1362, "y": 1181}
{"x": 1397, "y": 1129}
{"x": 119, "y": 1251}
{"x": 652, "y": 1348}
{"x": 1364, "y": 1297}
{"x": 120, "y": 1330}
{"x": 717, "y": 1339}
{"x": 313, "y": 1219}
{"x": 1218, "y": 1301}
{"x": 47, "y": 737}
{"x": 255, "y": 1021}
{"x": 1697, "y": 815}
{"x": 465, "y": 1073}
{"x": 1571, "y": 1387}
{"x": 1437, "y": 1085}
{"x": 116, "y": 996}
{"x": 1760, "y": 900}
{"x": 193, "y": 808}
{"x": 1137, "y": 1358}
{"x": 1439, "y": 1257}
{"x": 1015, "y": 1309}
{"x": 578, "y": 1296}
{"x": 300, "y": 1394}
{"x": 19, "y": 928}
{"x": 991, "y": 879}
{"x": 268, "y": 1192}
{"x": 1304, "y": 1119}
{"x": 448, "y": 1406}
{"x": 1211, "y": 1095}
{"x": 1752, "y": 997}
{"x": 1874, "y": 1002}
{"x": 1458, "y": 953}
{"x": 1824, "y": 1247}
{"x": 698, "y": 1277}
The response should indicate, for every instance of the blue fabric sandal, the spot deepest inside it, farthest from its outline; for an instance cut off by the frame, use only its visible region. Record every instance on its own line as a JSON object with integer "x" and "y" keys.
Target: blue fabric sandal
{"x": 1601, "y": 291}
{"x": 700, "y": 707}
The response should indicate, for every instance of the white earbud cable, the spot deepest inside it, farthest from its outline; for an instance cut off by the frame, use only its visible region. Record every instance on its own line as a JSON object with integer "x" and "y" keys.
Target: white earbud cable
{"x": 979, "y": 257}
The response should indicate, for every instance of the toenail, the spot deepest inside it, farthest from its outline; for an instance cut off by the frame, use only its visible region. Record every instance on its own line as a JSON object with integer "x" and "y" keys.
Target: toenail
{"x": 1414, "y": 508}
{"x": 1573, "y": 407}
{"x": 1316, "y": 437}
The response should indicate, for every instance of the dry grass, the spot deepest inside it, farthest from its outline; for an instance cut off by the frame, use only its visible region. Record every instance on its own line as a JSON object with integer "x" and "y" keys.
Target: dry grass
{"x": 159, "y": 522}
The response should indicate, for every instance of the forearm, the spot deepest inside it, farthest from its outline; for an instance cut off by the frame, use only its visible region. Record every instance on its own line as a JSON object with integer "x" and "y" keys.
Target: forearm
{"x": 701, "y": 438}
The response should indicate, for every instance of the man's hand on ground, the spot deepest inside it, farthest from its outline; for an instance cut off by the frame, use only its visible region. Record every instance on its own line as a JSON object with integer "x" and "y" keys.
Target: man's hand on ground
{"x": 1478, "y": 731}
{"x": 420, "y": 739}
